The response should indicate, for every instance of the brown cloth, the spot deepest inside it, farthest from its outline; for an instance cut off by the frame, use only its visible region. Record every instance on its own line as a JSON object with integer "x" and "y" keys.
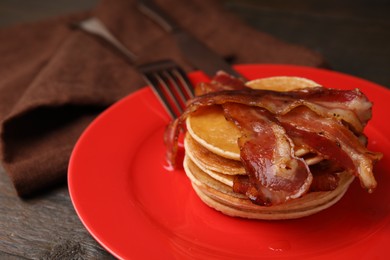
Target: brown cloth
{"x": 55, "y": 80}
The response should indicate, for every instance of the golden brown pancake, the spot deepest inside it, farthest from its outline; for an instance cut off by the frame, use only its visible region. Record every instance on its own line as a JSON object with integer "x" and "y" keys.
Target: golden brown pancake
{"x": 209, "y": 128}
{"x": 208, "y": 160}
{"x": 220, "y": 197}
{"x": 199, "y": 178}
{"x": 213, "y": 158}
{"x": 281, "y": 83}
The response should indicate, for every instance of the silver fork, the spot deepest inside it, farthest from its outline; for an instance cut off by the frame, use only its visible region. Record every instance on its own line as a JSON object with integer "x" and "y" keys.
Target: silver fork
{"x": 168, "y": 81}
{"x": 170, "y": 84}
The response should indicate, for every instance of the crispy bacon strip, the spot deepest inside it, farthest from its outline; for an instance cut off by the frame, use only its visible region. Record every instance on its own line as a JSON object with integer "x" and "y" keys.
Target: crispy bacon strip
{"x": 275, "y": 173}
{"x": 352, "y": 100}
{"x": 171, "y": 137}
{"x": 221, "y": 81}
{"x": 332, "y": 140}
{"x": 319, "y": 99}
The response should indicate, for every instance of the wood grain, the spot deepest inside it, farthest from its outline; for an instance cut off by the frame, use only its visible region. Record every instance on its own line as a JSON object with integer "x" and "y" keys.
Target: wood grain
{"x": 45, "y": 227}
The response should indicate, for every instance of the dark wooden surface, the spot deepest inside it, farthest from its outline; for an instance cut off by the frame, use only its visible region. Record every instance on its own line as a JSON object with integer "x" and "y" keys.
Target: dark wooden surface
{"x": 353, "y": 36}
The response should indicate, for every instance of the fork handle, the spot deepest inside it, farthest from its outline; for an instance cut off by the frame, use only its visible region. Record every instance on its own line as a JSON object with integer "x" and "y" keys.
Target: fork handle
{"x": 150, "y": 9}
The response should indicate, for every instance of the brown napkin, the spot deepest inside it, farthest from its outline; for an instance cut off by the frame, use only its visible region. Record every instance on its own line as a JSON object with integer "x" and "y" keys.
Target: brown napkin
{"x": 55, "y": 80}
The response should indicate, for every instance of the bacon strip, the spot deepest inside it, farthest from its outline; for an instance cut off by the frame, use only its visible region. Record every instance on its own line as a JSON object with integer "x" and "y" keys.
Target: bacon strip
{"x": 332, "y": 140}
{"x": 221, "y": 81}
{"x": 267, "y": 153}
{"x": 171, "y": 137}
{"x": 352, "y": 100}
{"x": 325, "y": 176}
{"x": 321, "y": 100}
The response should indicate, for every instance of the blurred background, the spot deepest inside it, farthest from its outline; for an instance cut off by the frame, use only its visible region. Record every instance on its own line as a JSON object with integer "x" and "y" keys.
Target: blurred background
{"x": 353, "y": 35}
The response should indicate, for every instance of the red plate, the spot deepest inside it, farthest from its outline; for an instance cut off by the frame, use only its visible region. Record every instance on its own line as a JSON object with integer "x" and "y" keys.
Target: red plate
{"x": 137, "y": 209}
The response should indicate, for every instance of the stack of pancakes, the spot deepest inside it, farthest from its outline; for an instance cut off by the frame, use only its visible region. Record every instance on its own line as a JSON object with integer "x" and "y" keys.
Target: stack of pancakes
{"x": 212, "y": 161}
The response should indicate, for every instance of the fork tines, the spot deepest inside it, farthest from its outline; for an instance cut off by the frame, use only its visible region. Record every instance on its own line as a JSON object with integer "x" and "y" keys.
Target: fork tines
{"x": 170, "y": 84}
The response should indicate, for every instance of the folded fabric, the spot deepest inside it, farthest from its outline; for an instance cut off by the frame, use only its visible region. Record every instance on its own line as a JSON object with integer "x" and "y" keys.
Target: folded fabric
{"x": 55, "y": 80}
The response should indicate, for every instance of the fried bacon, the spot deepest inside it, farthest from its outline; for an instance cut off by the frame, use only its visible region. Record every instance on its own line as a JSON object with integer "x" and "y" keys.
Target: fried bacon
{"x": 221, "y": 81}
{"x": 325, "y": 176}
{"x": 318, "y": 99}
{"x": 327, "y": 122}
{"x": 350, "y": 106}
{"x": 332, "y": 140}
{"x": 267, "y": 153}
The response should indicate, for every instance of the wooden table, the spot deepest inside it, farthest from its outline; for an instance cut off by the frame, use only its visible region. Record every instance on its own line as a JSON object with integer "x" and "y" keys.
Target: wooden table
{"x": 353, "y": 35}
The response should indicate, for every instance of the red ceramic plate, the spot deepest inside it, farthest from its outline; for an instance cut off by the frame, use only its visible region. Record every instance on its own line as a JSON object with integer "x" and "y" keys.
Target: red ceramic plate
{"x": 137, "y": 209}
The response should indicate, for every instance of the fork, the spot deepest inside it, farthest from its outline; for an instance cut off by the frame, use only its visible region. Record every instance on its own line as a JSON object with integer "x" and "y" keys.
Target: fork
{"x": 170, "y": 84}
{"x": 168, "y": 81}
